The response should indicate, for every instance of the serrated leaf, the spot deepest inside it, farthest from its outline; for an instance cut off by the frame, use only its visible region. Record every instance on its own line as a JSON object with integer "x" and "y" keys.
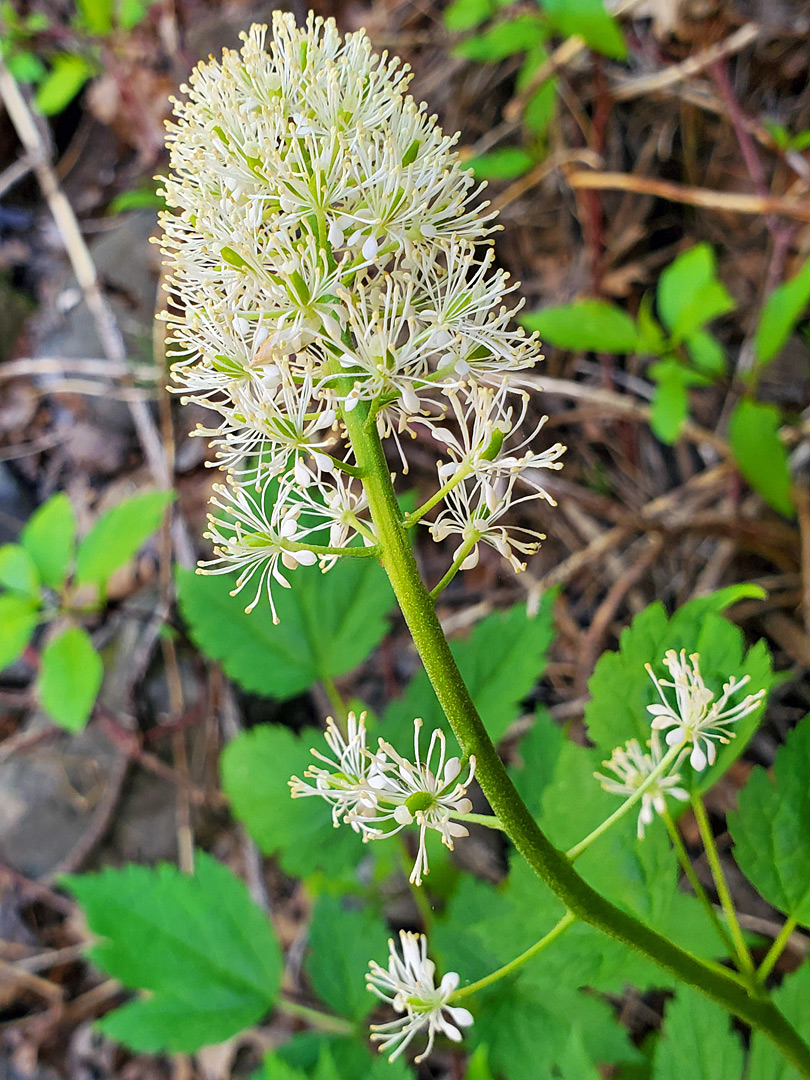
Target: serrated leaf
{"x": 753, "y": 433}
{"x": 591, "y": 21}
{"x": 782, "y": 310}
{"x": 341, "y": 943}
{"x": 199, "y": 945}
{"x": 18, "y": 619}
{"x": 505, "y": 163}
{"x": 67, "y": 76}
{"x": 69, "y": 679}
{"x": 49, "y": 537}
{"x": 504, "y": 39}
{"x": 328, "y": 624}
{"x": 18, "y": 572}
{"x": 256, "y": 768}
{"x": 587, "y": 326}
{"x": 118, "y": 535}
{"x": 621, "y": 689}
{"x": 351, "y": 1057}
{"x": 689, "y": 293}
{"x": 500, "y": 663}
{"x": 764, "y": 1062}
{"x": 697, "y": 1041}
{"x": 770, "y": 828}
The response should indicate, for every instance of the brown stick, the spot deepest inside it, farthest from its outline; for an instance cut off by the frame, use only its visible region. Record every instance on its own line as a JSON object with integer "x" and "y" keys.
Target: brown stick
{"x": 732, "y": 202}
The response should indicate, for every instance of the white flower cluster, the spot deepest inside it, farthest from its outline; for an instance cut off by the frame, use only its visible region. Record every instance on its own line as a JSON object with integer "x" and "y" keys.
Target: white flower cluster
{"x": 693, "y": 725}
{"x": 322, "y": 246}
{"x": 380, "y": 793}
{"x": 409, "y": 985}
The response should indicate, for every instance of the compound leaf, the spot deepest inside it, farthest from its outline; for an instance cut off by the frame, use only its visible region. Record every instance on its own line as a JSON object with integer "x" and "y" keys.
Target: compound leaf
{"x": 329, "y": 623}
{"x": 202, "y": 949}
{"x": 697, "y": 1041}
{"x": 770, "y": 828}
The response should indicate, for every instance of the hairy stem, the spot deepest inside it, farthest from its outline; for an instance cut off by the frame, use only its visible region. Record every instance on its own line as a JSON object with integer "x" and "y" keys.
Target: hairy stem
{"x": 551, "y": 865}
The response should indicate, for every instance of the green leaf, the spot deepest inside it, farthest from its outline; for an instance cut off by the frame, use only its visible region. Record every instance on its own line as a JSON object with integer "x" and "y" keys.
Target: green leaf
{"x": 504, "y": 39}
{"x": 587, "y": 326}
{"x": 67, "y": 76}
{"x": 70, "y": 678}
{"x": 697, "y": 1041}
{"x": 18, "y": 572}
{"x": 18, "y": 619}
{"x": 467, "y": 14}
{"x": 651, "y": 338}
{"x": 670, "y": 403}
{"x": 96, "y": 15}
{"x": 591, "y": 21}
{"x": 542, "y": 105}
{"x": 329, "y": 623}
{"x": 478, "y": 1065}
{"x": 202, "y": 949}
{"x": 500, "y": 662}
{"x": 49, "y": 537}
{"x": 142, "y": 198}
{"x": 538, "y": 753}
{"x": 131, "y": 12}
{"x": 349, "y": 1056}
{"x": 118, "y": 535}
{"x": 764, "y": 1063}
{"x": 256, "y": 769}
{"x": 770, "y": 828}
{"x": 706, "y": 353}
{"x": 689, "y": 294}
{"x": 341, "y": 943}
{"x": 26, "y": 67}
{"x": 753, "y": 433}
{"x": 506, "y": 163}
{"x": 783, "y": 309}
{"x": 274, "y": 1068}
{"x": 621, "y": 689}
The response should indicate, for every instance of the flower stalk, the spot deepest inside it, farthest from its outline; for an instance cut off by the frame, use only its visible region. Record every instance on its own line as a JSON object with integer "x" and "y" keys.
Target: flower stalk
{"x": 551, "y": 865}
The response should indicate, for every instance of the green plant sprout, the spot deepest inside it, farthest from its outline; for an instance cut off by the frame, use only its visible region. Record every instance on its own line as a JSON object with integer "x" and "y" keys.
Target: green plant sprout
{"x": 687, "y": 354}
{"x": 332, "y": 292}
{"x": 51, "y": 580}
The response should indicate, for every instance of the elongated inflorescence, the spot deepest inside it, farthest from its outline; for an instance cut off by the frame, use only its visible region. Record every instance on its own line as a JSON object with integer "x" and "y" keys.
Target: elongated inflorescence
{"x": 327, "y": 251}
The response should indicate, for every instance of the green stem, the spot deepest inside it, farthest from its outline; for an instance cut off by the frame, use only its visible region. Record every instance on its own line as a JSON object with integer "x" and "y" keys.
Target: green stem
{"x": 694, "y": 881}
{"x": 461, "y": 555}
{"x": 663, "y": 767}
{"x": 489, "y": 820}
{"x": 334, "y": 1025}
{"x": 776, "y": 950}
{"x": 335, "y": 699}
{"x": 322, "y": 549}
{"x": 551, "y": 865}
{"x": 746, "y": 964}
{"x": 417, "y": 515}
{"x": 513, "y": 965}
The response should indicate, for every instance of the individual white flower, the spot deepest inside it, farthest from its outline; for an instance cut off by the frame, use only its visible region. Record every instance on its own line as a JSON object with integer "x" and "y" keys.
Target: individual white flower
{"x": 697, "y": 719}
{"x": 473, "y": 510}
{"x": 425, "y": 792}
{"x": 409, "y": 986}
{"x": 254, "y": 542}
{"x": 380, "y": 794}
{"x": 349, "y": 781}
{"x": 632, "y": 768}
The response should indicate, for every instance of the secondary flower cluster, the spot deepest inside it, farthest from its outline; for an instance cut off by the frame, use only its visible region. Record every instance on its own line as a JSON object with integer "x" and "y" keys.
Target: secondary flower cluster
{"x": 324, "y": 252}
{"x": 380, "y": 793}
{"x": 694, "y": 723}
{"x": 409, "y": 985}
